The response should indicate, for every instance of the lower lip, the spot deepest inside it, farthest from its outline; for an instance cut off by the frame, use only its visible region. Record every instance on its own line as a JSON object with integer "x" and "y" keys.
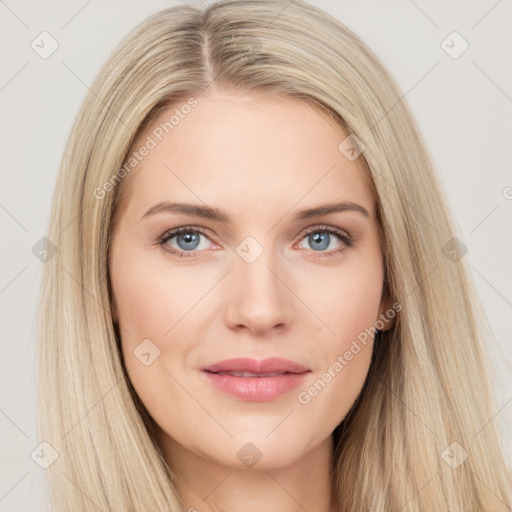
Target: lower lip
{"x": 256, "y": 389}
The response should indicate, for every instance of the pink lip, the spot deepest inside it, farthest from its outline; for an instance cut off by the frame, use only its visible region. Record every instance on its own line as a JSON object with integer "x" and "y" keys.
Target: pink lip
{"x": 256, "y": 389}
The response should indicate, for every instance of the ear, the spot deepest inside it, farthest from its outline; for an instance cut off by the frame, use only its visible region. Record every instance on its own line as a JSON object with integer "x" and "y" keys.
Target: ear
{"x": 387, "y": 313}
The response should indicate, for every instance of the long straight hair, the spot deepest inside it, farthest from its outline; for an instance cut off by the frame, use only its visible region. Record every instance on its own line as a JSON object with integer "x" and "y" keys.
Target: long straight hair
{"x": 428, "y": 399}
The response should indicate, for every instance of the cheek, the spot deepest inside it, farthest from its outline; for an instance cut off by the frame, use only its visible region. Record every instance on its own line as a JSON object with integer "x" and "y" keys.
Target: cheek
{"x": 350, "y": 307}
{"x": 332, "y": 392}
{"x": 145, "y": 306}
{"x": 158, "y": 312}
{"x": 150, "y": 297}
{"x": 350, "y": 298}
{"x": 345, "y": 360}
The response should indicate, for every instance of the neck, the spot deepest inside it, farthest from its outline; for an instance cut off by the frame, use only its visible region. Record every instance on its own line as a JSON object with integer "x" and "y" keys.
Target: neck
{"x": 204, "y": 485}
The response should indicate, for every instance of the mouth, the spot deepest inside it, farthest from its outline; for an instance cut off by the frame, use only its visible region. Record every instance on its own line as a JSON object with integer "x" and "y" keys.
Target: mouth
{"x": 256, "y": 381}
{"x": 250, "y": 374}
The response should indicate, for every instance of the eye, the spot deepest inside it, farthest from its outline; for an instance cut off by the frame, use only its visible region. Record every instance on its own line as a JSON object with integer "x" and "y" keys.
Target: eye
{"x": 185, "y": 240}
{"x": 323, "y": 237}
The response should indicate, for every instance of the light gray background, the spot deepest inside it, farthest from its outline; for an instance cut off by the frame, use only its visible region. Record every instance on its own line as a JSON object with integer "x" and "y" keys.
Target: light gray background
{"x": 463, "y": 107}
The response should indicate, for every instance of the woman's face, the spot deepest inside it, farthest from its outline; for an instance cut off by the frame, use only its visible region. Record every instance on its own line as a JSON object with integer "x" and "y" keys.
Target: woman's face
{"x": 272, "y": 278}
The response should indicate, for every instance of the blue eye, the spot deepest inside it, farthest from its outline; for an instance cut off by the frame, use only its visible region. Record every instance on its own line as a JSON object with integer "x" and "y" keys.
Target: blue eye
{"x": 187, "y": 239}
{"x": 320, "y": 238}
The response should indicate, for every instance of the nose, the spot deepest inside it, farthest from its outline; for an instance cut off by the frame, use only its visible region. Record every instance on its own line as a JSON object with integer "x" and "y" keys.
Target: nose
{"x": 260, "y": 300}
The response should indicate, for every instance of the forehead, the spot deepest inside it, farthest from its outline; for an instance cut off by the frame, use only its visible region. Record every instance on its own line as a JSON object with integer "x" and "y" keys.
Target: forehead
{"x": 251, "y": 152}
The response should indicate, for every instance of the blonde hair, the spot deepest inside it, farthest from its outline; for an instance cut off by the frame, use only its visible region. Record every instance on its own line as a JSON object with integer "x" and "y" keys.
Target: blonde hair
{"x": 429, "y": 384}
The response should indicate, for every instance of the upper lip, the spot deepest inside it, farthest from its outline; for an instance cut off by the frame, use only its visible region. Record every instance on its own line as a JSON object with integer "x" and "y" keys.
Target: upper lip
{"x": 244, "y": 364}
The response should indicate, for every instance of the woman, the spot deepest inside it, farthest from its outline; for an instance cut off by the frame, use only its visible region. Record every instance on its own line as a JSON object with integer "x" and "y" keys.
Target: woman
{"x": 258, "y": 301}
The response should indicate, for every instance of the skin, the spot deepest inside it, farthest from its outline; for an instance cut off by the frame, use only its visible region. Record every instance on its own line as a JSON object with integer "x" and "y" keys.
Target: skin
{"x": 260, "y": 159}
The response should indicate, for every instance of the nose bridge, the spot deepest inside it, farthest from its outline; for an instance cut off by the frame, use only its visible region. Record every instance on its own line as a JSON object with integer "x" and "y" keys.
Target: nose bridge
{"x": 261, "y": 300}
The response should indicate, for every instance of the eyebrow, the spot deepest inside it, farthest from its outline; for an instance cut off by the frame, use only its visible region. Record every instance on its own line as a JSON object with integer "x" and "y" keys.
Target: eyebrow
{"x": 208, "y": 212}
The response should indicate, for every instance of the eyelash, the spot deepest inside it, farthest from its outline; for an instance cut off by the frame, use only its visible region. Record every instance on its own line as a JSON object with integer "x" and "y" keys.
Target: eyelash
{"x": 342, "y": 235}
